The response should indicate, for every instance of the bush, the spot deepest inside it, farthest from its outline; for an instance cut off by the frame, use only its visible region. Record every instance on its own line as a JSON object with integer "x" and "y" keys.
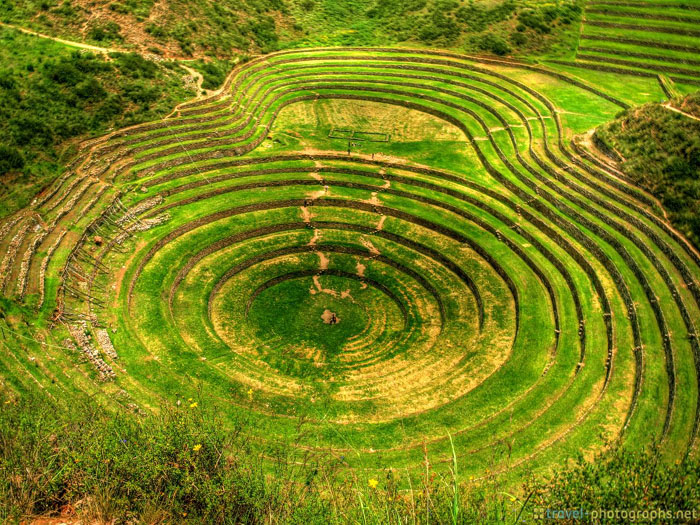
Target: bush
{"x": 518, "y": 39}
{"x": 533, "y": 19}
{"x": 108, "y": 31}
{"x": 11, "y": 159}
{"x": 439, "y": 27}
{"x": 90, "y": 89}
{"x": 7, "y": 80}
{"x": 264, "y": 34}
{"x": 494, "y": 44}
{"x": 135, "y": 66}
{"x": 140, "y": 93}
{"x": 156, "y": 31}
{"x": 29, "y": 130}
{"x": 63, "y": 72}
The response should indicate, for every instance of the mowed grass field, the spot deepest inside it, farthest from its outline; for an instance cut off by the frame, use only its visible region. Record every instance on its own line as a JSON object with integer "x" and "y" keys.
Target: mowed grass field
{"x": 473, "y": 287}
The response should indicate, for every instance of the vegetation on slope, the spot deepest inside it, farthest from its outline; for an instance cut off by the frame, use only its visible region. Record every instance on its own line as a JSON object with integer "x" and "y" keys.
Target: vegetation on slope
{"x": 50, "y": 94}
{"x": 659, "y": 149}
{"x": 226, "y": 214}
{"x": 77, "y": 461}
{"x": 206, "y": 28}
{"x": 174, "y": 28}
{"x": 502, "y": 27}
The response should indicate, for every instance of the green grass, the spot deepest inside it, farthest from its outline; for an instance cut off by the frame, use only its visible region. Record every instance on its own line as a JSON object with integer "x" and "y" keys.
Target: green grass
{"x": 466, "y": 259}
{"x": 660, "y": 159}
{"x": 646, "y": 30}
{"x": 170, "y": 468}
{"x": 51, "y": 95}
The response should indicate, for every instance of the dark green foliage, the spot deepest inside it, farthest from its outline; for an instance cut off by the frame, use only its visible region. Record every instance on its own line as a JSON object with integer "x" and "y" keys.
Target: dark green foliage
{"x": 264, "y": 34}
{"x": 222, "y": 30}
{"x": 135, "y": 65}
{"x": 50, "y": 94}
{"x": 661, "y": 152}
{"x": 536, "y": 23}
{"x": 535, "y": 19}
{"x": 518, "y": 39}
{"x": 156, "y": 30}
{"x": 439, "y": 26}
{"x": 213, "y": 72}
{"x": 477, "y": 17}
{"x": 436, "y": 23}
{"x": 65, "y": 10}
{"x": 11, "y": 159}
{"x": 138, "y": 8}
{"x": 141, "y": 92}
{"x": 90, "y": 89}
{"x": 105, "y": 32}
{"x": 493, "y": 44}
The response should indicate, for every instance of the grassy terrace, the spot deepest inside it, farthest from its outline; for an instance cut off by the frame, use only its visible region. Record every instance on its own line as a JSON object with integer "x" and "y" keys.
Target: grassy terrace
{"x": 641, "y": 38}
{"x": 474, "y": 282}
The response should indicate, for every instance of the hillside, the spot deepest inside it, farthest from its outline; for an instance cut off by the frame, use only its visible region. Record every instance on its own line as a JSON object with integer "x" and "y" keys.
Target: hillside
{"x": 322, "y": 261}
{"x": 207, "y": 28}
{"x": 50, "y": 94}
{"x": 659, "y": 149}
{"x": 427, "y": 203}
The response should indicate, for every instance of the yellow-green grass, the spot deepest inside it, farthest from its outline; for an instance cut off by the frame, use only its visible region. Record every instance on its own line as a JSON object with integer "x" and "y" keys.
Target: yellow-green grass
{"x": 641, "y": 39}
{"x": 491, "y": 284}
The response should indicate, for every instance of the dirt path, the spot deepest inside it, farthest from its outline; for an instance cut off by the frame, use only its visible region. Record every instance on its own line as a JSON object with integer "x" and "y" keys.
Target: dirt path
{"x": 198, "y": 78}
{"x": 668, "y": 106}
{"x": 79, "y": 45}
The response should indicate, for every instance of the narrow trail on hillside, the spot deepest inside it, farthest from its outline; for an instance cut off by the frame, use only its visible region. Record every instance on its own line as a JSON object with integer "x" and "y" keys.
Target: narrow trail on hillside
{"x": 198, "y": 78}
{"x": 79, "y": 45}
{"x": 681, "y": 112}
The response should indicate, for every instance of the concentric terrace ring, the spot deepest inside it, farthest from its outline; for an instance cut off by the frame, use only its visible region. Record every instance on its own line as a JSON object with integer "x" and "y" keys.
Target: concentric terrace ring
{"x": 518, "y": 300}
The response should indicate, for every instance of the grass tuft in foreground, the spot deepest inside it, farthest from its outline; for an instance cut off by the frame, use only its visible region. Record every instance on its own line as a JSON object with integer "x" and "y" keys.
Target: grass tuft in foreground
{"x": 180, "y": 466}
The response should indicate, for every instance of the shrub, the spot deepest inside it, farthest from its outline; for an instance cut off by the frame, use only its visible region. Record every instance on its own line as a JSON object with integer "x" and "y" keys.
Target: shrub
{"x": 11, "y": 159}
{"x": 494, "y": 44}
{"x": 63, "y": 72}
{"x": 107, "y": 31}
{"x": 518, "y": 39}
{"x": 439, "y": 26}
{"x": 264, "y": 34}
{"x": 533, "y": 19}
{"x": 90, "y": 89}
{"x": 156, "y": 31}
{"x": 28, "y": 130}
{"x": 140, "y": 93}
{"x": 135, "y": 66}
{"x": 7, "y": 80}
